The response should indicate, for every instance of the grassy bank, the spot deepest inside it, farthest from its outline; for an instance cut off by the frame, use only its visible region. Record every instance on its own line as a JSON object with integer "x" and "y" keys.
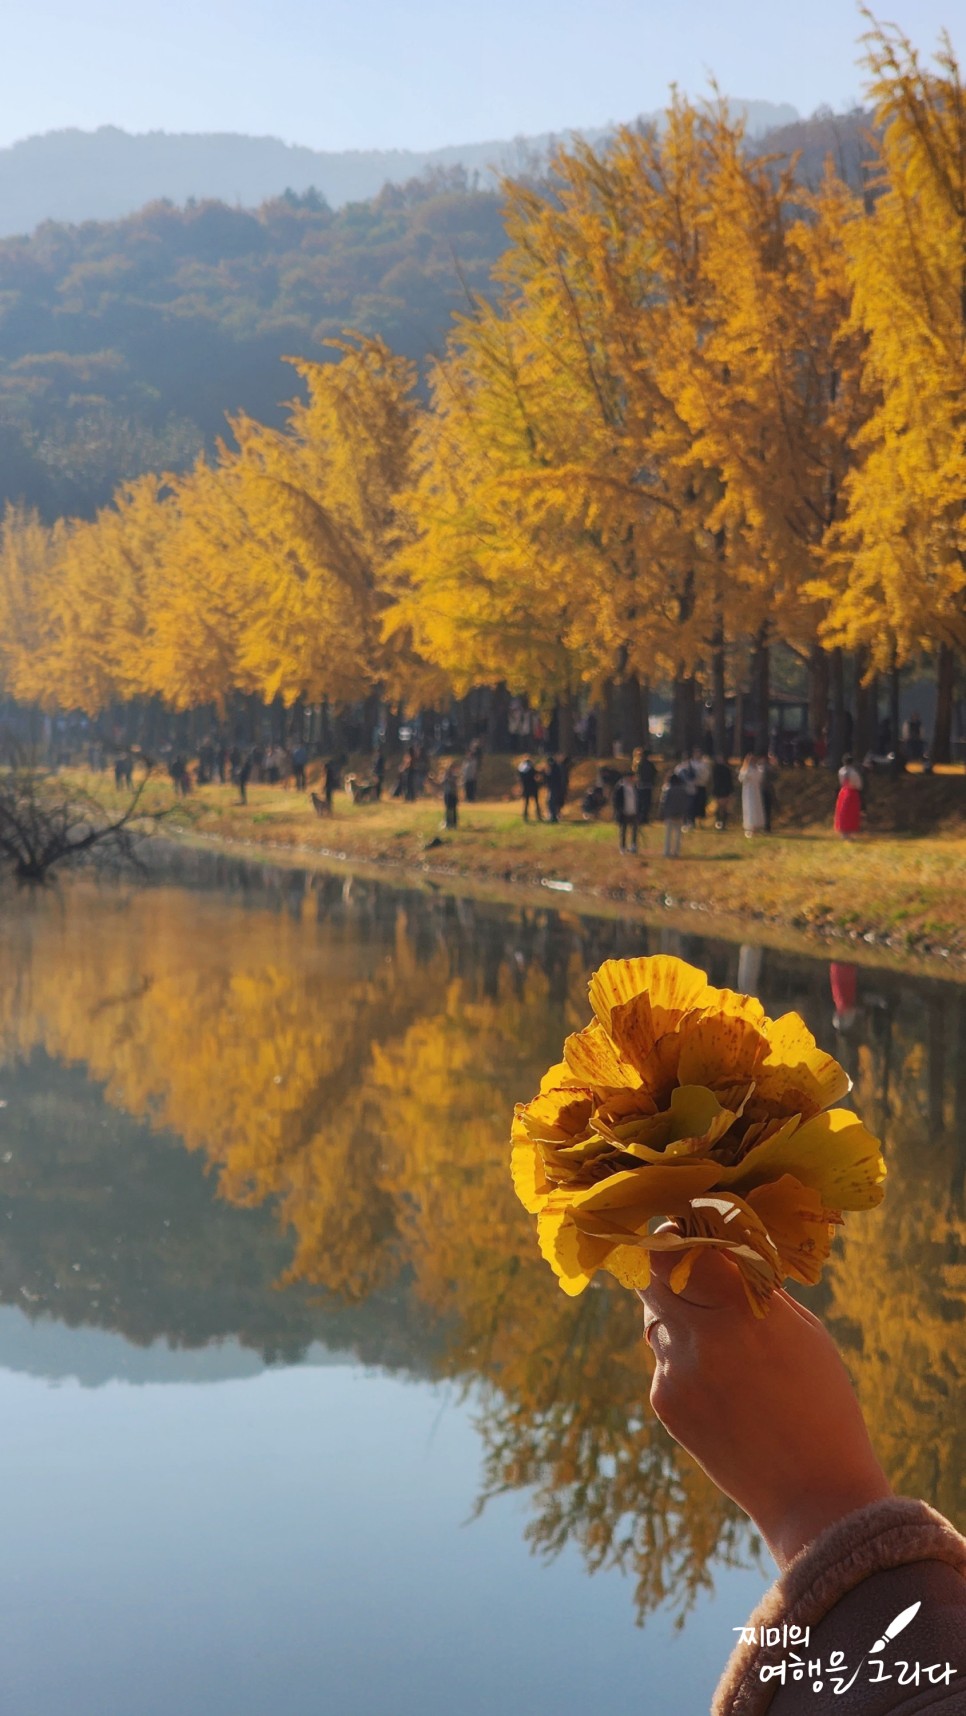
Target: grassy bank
{"x": 900, "y": 894}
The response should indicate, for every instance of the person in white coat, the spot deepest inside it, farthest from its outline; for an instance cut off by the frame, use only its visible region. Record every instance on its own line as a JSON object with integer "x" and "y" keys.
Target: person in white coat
{"x": 752, "y": 778}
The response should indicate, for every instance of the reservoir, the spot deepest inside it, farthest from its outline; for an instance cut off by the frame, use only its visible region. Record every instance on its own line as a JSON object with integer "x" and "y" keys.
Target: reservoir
{"x": 295, "y": 1416}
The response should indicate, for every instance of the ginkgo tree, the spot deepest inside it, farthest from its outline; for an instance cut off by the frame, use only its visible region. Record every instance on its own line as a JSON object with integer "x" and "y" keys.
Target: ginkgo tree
{"x": 703, "y": 411}
{"x": 902, "y": 587}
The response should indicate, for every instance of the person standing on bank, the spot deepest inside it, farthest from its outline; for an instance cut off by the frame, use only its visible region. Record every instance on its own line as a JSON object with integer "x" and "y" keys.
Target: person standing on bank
{"x": 675, "y": 808}
{"x": 722, "y": 790}
{"x": 624, "y": 803}
{"x": 556, "y": 788}
{"x": 646, "y": 776}
{"x": 330, "y": 780}
{"x": 530, "y": 788}
{"x": 752, "y": 778}
{"x": 378, "y": 772}
{"x": 848, "y": 805}
{"x": 451, "y": 795}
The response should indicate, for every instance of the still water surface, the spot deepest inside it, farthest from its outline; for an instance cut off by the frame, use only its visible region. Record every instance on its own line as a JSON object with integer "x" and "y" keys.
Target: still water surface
{"x": 294, "y": 1416}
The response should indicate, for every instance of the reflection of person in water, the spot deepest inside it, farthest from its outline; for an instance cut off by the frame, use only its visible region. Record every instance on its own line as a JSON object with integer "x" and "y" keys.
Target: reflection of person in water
{"x": 766, "y": 1407}
{"x": 750, "y": 960}
{"x": 844, "y": 981}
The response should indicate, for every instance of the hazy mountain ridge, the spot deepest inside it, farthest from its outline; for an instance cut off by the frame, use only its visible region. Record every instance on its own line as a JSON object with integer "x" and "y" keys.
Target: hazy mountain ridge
{"x": 124, "y": 343}
{"x": 74, "y": 175}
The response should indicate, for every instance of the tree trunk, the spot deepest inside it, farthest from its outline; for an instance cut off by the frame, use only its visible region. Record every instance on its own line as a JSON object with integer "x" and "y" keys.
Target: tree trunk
{"x": 152, "y": 723}
{"x": 605, "y": 719}
{"x": 719, "y": 729}
{"x": 941, "y": 749}
{"x": 632, "y": 719}
{"x": 327, "y": 734}
{"x": 394, "y": 714}
{"x": 761, "y": 687}
{"x": 818, "y": 683}
{"x": 866, "y": 705}
{"x": 738, "y": 724}
{"x": 836, "y": 736}
{"x": 684, "y": 715}
{"x": 565, "y": 725}
{"x": 497, "y": 718}
{"x": 894, "y": 723}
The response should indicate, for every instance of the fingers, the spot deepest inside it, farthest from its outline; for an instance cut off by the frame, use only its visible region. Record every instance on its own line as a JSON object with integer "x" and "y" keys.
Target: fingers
{"x": 714, "y": 1283}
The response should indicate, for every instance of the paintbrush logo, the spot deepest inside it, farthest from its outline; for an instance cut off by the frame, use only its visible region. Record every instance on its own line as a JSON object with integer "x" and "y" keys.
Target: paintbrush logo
{"x": 896, "y": 1627}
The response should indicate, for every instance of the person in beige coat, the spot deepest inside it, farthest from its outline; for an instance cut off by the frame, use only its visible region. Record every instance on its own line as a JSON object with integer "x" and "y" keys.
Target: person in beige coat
{"x": 766, "y": 1407}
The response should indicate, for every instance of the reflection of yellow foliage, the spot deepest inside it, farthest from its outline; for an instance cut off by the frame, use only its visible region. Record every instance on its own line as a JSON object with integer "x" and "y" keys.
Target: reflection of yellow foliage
{"x": 684, "y": 1101}
{"x": 239, "y": 1043}
{"x": 364, "y": 1089}
{"x": 348, "y": 1069}
{"x": 898, "y": 1295}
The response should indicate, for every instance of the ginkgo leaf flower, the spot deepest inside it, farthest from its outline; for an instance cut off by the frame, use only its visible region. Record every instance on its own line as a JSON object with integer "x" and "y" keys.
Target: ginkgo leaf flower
{"x": 682, "y": 1118}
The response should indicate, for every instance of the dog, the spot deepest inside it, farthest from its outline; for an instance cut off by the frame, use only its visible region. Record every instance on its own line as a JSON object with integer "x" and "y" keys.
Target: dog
{"x": 359, "y": 792}
{"x": 319, "y": 805}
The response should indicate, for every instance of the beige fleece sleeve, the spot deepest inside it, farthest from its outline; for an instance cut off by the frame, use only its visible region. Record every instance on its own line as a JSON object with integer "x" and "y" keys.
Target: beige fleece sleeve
{"x": 847, "y": 1587}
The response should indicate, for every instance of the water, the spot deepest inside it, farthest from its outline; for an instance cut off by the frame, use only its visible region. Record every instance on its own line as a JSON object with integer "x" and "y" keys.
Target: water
{"x": 295, "y": 1417}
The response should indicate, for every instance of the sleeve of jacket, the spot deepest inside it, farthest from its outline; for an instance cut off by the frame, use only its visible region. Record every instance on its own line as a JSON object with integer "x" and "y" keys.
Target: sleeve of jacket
{"x": 847, "y": 1587}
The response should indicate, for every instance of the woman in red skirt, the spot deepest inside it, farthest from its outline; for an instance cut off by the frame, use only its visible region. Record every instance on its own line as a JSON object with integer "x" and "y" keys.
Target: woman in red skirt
{"x": 848, "y": 805}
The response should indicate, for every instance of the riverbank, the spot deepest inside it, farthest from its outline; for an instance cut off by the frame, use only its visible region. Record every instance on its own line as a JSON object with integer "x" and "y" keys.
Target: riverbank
{"x": 900, "y": 897}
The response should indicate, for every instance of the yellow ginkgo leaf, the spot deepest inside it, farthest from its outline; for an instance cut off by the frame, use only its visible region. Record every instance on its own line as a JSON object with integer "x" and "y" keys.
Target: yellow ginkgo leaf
{"x": 682, "y": 1120}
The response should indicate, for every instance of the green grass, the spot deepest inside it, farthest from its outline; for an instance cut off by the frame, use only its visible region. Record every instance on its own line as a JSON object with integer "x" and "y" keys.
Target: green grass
{"x": 907, "y": 889}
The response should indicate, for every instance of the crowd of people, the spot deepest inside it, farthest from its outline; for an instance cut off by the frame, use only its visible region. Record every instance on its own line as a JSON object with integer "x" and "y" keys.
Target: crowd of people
{"x": 681, "y": 795}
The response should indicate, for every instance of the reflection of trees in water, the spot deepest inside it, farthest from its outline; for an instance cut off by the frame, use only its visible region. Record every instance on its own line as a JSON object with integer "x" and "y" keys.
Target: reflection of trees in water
{"x": 348, "y": 1056}
{"x": 575, "y": 1430}
{"x": 898, "y": 1284}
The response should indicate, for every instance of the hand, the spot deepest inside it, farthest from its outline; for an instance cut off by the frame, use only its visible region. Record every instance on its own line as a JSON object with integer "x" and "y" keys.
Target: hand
{"x": 764, "y": 1404}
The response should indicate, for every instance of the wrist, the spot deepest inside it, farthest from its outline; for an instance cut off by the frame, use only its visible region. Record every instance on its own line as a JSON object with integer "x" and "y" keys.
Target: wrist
{"x": 813, "y": 1510}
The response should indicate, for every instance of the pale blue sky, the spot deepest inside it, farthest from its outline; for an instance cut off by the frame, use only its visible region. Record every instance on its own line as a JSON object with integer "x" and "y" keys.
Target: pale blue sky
{"x": 338, "y": 74}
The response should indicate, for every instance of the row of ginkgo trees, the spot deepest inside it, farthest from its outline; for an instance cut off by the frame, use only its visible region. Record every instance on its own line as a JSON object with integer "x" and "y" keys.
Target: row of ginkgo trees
{"x": 707, "y": 410}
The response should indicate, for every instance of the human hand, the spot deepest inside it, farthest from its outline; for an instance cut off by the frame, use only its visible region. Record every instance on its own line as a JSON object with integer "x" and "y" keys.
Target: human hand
{"x": 764, "y": 1404}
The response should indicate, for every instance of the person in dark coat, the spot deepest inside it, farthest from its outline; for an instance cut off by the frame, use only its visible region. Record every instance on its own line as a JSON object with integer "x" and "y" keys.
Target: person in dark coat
{"x": 330, "y": 780}
{"x": 451, "y": 795}
{"x": 243, "y": 777}
{"x": 378, "y": 772}
{"x": 300, "y": 757}
{"x": 722, "y": 790}
{"x": 675, "y": 811}
{"x": 530, "y": 788}
{"x": 645, "y": 775}
{"x": 624, "y": 802}
{"x": 556, "y": 787}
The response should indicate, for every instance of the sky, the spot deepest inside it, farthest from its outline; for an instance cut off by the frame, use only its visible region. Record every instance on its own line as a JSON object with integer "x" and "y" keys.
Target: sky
{"x": 347, "y": 74}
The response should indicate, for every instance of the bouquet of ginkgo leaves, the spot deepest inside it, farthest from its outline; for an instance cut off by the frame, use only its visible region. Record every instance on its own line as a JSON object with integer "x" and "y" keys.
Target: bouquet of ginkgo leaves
{"x": 683, "y": 1118}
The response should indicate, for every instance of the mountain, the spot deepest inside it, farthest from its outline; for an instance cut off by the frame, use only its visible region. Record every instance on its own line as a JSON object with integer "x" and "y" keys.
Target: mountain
{"x": 76, "y": 175}
{"x": 123, "y": 344}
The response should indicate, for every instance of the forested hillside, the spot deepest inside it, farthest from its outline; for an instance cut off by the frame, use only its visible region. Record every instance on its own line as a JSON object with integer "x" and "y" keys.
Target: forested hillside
{"x": 123, "y": 344}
